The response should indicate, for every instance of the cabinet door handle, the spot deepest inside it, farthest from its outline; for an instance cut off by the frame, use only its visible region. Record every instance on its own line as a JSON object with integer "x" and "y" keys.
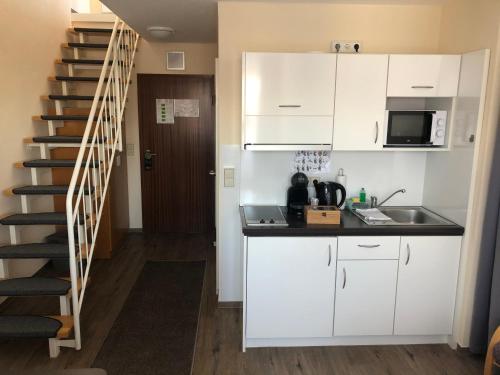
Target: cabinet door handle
{"x": 376, "y": 132}
{"x": 422, "y": 87}
{"x": 345, "y": 278}
{"x": 369, "y": 246}
{"x": 329, "y": 255}
{"x": 408, "y": 254}
{"x": 289, "y": 106}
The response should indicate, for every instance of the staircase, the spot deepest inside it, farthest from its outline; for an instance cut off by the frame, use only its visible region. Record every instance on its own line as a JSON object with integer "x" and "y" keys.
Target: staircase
{"x": 94, "y": 150}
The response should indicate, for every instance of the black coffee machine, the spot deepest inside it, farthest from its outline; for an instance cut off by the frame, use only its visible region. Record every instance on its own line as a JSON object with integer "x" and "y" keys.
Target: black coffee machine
{"x": 298, "y": 196}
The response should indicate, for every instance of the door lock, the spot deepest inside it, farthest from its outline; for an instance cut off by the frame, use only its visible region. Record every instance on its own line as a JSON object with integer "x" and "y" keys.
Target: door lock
{"x": 148, "y": 160}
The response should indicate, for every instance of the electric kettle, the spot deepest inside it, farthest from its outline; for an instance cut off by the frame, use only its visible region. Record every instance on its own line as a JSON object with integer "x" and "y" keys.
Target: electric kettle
{"x": 326, "y": 192}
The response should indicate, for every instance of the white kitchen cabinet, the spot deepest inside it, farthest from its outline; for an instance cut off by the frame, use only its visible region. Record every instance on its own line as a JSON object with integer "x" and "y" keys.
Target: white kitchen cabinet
{"x": 423, "y": 75}
{"x": 360, "y": 100}
{"x": 290, "y": 287}
{"x": 292, "y": 84}
{"x": 288, "y": 101}
{"x": 365, "y": 295}
{"x": 427, "y": 281}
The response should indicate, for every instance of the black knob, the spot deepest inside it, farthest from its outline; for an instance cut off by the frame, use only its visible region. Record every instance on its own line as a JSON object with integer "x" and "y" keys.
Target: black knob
{"x": 262, "y": 221}
{"x": 271, "y": 221}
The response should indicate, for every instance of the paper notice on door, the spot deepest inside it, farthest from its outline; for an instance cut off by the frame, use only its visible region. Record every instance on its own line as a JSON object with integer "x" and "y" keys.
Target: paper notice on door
{"x": 165, "y": 111}
{"x": 187, "y": 108}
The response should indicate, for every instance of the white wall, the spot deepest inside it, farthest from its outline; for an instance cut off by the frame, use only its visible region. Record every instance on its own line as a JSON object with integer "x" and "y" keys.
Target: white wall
{"x": 32, "y": 31}
{"x": 266, "y": 176}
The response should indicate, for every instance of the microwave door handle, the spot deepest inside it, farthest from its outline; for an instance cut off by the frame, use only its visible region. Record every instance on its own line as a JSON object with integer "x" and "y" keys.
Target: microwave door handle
{"x": 376, "y": 132}
{"x": 433, "y": 128}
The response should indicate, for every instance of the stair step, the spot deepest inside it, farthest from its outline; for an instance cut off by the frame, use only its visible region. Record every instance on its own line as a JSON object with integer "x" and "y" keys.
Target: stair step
{"x": 71, "y": 139}
{"x": 85, "y": 45}
{"x": 90, "y": 30}
{"x": 61, "y": 118}
{"x": 75, "y": 79}
{"x": 70, "y": 97}
{"x": 34, "y": 286}
{"x": 80, "y": 61}
{"x": 35, "y": 251}
{"x": 46, "y": 190}
{"x": 51, "y": 163}
{"x": 33, "y": 326}
{"x": 40, "y": 218}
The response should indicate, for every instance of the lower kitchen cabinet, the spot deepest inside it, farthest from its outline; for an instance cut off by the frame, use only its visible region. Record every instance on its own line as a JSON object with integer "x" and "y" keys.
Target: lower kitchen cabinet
{"x": 427, "y": 282}
{"x": 365, "y": 296}
{"x": 290, "y": 287}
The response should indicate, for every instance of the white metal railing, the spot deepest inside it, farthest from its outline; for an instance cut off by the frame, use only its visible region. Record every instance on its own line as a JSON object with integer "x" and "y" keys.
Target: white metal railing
{"x": 90, "y": 179}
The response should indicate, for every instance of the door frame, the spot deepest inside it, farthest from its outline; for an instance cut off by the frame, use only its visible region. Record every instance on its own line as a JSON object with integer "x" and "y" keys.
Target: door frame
{"x": 215, "y": 127}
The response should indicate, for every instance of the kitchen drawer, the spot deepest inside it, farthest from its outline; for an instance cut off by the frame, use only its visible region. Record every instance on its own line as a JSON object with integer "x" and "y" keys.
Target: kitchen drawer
{"x": 369, "y": 247}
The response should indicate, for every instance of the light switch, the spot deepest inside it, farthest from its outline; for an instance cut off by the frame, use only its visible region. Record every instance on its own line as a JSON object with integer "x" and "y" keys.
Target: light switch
{"x": 130, "y": 149}
{"x": 228, "y": 177}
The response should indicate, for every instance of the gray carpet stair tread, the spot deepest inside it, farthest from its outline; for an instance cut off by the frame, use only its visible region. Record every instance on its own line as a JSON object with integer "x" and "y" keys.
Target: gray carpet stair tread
{"x": 34, "y": 286}
{"x": 60, "y": 139}
{"x": 72, "y": 97}
{"x": 47, "y": 190}
{"x": 78, "y": 79}
{"x": 28, "y": 326}
{"x": 88, "y": 45}
{"x": 83, "y": 61}
{"x": 54, "y": 163}
{"x": 65, "y": 117}
{"x": 92, "y": 30}
{"x": 41, "y": 218}
{"x": 35, "y": 251}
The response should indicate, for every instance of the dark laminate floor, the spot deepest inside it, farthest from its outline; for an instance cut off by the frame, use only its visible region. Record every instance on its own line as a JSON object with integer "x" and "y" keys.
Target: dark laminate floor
{"x": 219, "y": 331}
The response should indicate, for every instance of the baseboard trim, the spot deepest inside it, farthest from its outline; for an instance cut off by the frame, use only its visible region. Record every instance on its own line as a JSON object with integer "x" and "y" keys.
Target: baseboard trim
{"x": 230, "y": 305}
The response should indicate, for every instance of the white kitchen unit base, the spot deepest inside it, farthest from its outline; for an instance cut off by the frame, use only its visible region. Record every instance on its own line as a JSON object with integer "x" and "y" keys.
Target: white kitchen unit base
{"x": 347, "y": 341}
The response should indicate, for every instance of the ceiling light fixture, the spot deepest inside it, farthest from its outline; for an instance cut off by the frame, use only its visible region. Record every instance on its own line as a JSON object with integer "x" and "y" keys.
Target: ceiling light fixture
{"x": 160, "y": 32}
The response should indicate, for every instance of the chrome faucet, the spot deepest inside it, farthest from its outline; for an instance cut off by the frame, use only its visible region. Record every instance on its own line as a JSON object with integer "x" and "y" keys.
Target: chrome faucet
{"x": 374, "y": 199}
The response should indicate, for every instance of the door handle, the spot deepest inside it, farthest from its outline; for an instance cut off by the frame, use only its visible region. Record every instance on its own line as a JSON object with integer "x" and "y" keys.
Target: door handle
{"x": 329, "y": 255}
{"x": 422, "y": 87}
{"x": 376, "y": 132}
{"x": 408, "y": 254}
{"x": 211, "y": 173}
{"x": 289, "y": 106}
{"x": 148, "y": 160}
{"x": 345, "y": 278}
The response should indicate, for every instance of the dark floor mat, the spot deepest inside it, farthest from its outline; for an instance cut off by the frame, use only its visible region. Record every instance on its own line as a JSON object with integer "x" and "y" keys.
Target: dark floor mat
{"x": 155, "y": 332}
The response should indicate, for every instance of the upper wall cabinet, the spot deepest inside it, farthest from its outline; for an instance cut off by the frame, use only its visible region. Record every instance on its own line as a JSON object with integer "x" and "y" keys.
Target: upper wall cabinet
{"x": 423, "y": 75}
{"x": 294, "y": 84}
{"x": 360, "y": 102}
{"x": 288, "y": 101}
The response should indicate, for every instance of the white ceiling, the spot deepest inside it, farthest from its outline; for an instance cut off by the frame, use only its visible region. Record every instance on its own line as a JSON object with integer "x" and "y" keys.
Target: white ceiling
{"x": 196, "y": 20}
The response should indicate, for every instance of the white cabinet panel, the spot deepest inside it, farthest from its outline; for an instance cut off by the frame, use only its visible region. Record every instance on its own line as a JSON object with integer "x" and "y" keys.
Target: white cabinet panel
{"x": 360, "y": 102}
{"x": 369, "y": 247}
{"x": 290, "y": 287}
{"x": 427, "y": 281}
{"x": 289, "y": 130}
{"x": 295, "y": 84}
{"x": 423, "y": 75}
{"x": 365, "y": 295}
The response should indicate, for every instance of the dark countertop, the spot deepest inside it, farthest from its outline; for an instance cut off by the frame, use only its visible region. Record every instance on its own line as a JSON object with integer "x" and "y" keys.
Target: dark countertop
{"x": 350, "y": 225}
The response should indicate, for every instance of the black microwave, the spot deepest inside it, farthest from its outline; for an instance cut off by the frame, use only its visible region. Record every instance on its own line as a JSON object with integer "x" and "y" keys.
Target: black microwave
{"x": 415, "y": 128}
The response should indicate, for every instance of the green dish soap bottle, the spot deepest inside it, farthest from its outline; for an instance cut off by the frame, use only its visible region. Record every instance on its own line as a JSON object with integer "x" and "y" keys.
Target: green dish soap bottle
{"x": 362, "y": 195}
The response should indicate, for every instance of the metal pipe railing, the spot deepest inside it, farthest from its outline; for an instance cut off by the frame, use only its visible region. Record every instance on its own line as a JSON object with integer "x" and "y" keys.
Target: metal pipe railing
{"x": 90, "y": 179}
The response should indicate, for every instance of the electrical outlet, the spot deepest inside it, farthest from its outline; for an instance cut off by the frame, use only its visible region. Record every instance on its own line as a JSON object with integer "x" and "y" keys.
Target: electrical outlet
{"x": 346, "y": 46}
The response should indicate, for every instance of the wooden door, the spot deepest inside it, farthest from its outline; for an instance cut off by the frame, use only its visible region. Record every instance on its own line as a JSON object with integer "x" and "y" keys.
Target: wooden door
{"x": 178, "y": 191}
{"x": 290, "y": 287}
{"x": 364, "y": 297}
{"x": 360, "y": 102}
{"x": 427, "y": 284}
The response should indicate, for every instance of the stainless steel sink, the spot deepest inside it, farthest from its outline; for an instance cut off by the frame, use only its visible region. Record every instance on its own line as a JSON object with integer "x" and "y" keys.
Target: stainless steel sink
{"x": 409, "y": 216}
